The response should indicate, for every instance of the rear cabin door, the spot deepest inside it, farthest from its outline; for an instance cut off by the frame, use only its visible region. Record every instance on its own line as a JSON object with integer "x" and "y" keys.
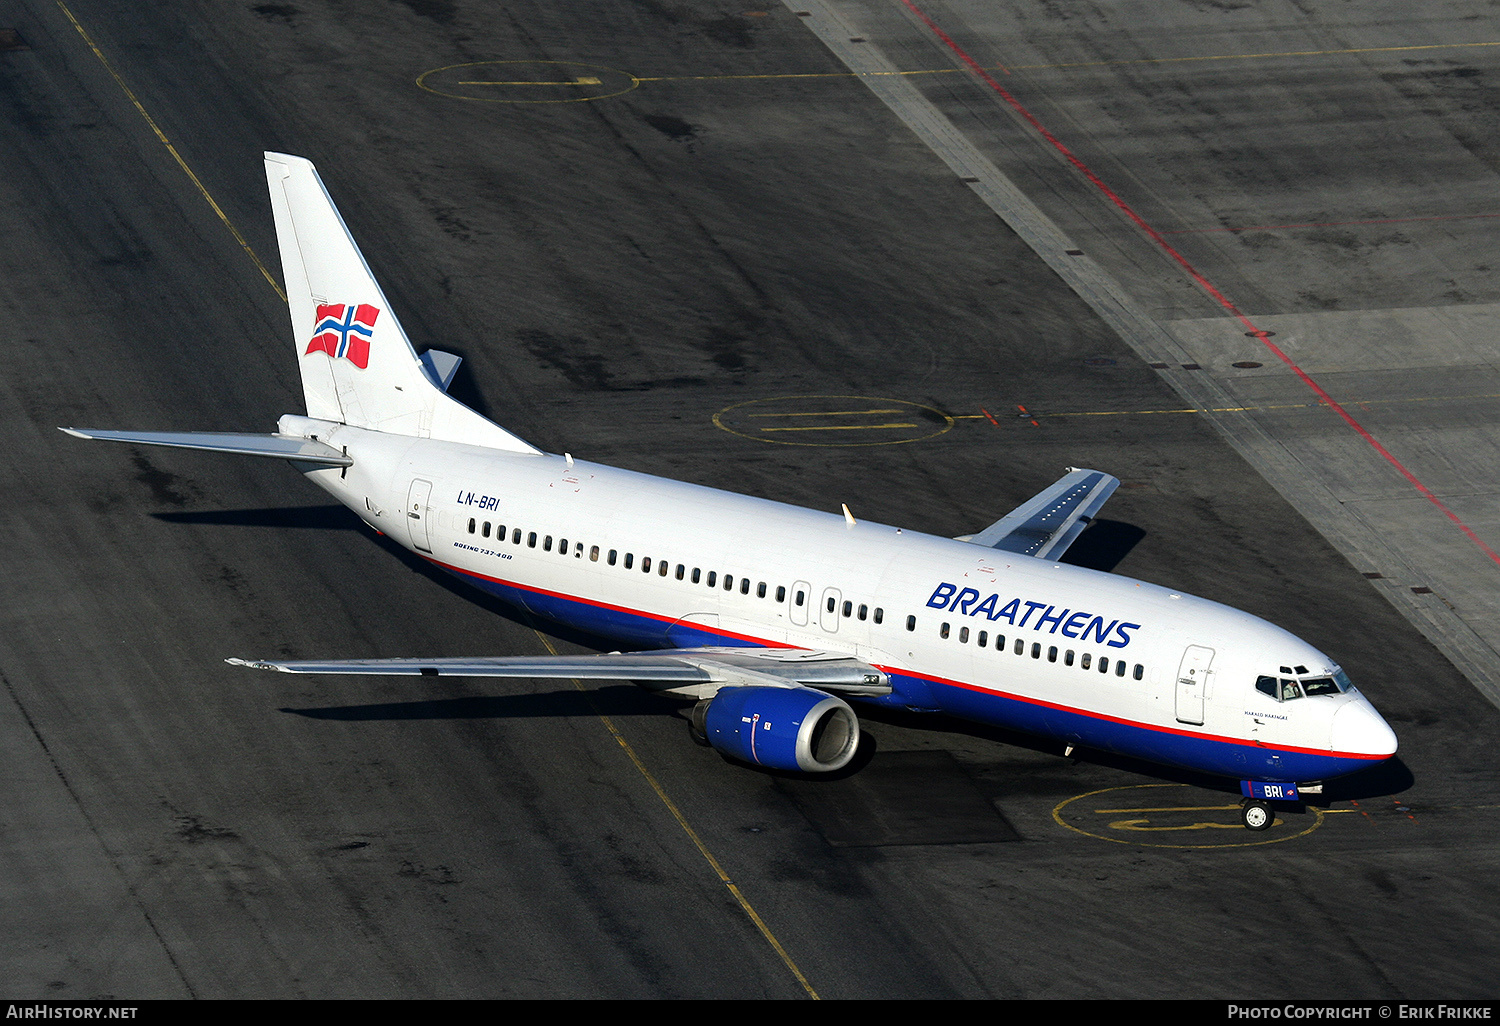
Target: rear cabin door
{"x": 417, "y": 512}
{"x": 1192, "y": 679}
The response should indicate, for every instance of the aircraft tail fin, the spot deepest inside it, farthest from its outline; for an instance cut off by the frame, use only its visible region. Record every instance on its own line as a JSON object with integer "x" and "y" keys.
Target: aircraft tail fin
{"x": 358, "y": 367}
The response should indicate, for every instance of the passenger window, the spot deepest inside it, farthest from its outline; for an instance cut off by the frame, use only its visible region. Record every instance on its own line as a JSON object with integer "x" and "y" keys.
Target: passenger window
{"x": 745, "y": 586}
{"x": 662, "y": 568}
{"x": 1051, "y": 653}
{"x": 697, "y": 575}
{"x": 547, "y": 544}
{"x": 531, "y": 540}
{"x": 863, "y": 610}
{"x": 1140, "y": 671}
{"x": 760, "y": 590}
{"x": 780, "y": 593}
{"x": 911, "y": 623}
{"x": 801, "y": 597}
{"x": 879, "y": 615}
{"x": 645, "y": 564}
{"x": 471, "y": 525}
{"x": 728, "y": 582}
{"x": 963, "y": 635}
{"x": 1119, "y": 667}
{"x": 1020, "y": 646}
{"x": 1068, "y": 657}
{"x": 594, "y": 554}
{"x": 578, "y": 550}
{"x": 484, "y": 532}
{"x": 500, "y": 532}
{"x": 848, "y": 607}
{"x": 713, "y": 575}
{"x": 629, "y": 560}
{"x": 562, "y": 547}
{"x": 1104, "y": 666}
{"x": 943, "y": 631}
{"x": 613, "y": 553}
{"x": 999, "y": 642}
{"x": 832, "y": 602}
{"x": 681, "y": 570}
{"x": 1084, "y": 662}
{"x": 515, "y": 538}
{"x": 1036, "y": 650}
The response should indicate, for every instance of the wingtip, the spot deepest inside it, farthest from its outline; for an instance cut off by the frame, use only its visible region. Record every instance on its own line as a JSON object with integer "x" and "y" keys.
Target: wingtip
{"x": 254, "y": 664}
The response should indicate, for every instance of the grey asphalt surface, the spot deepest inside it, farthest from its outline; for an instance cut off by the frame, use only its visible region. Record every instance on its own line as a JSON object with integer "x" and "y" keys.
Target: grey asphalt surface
{"x": 745, "y": 222}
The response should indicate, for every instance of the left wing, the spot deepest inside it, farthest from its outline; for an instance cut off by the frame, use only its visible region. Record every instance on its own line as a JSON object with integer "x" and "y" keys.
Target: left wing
{"x": 1047, "y": 523}
{"x": 690, "y": 672}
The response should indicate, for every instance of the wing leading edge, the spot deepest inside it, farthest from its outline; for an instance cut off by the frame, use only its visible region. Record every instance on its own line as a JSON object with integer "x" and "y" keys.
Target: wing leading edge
{"x": 1050, "y": 521}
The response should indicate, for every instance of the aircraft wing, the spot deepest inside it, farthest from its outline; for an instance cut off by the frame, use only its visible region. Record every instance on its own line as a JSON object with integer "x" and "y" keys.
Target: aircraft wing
{"x": 1047, "y": 523}
{"x": 690, "y": 672}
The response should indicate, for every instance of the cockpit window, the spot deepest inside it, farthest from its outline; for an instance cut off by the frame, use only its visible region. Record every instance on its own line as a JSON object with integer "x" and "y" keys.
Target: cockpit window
{"x": 1289, "y": 690}
{"x": 1320, "y": 686}
{"x": 1267, "y": 686}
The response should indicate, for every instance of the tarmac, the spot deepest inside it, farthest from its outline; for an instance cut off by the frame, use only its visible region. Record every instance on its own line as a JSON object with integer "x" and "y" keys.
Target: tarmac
{"x": 1238, "y": 256}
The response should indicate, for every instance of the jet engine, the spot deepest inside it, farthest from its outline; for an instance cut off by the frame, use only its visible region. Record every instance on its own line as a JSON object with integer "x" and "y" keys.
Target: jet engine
{"x": 792, "y": 728}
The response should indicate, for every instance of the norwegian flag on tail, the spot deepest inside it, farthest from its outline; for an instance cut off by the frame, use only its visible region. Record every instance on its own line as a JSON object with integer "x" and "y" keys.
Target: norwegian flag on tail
{"x": 344, "y": 330}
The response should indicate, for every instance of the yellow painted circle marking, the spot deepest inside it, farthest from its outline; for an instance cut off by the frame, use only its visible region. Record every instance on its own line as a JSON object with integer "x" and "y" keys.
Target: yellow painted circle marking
{"x": 839, "y": 421}
{"x": 527, "y": 81}
{"x": 1149, "y": 816}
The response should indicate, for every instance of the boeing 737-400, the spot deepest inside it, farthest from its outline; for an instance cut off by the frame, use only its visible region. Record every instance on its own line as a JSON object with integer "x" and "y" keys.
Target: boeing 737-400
{"x": 772, "y": 618}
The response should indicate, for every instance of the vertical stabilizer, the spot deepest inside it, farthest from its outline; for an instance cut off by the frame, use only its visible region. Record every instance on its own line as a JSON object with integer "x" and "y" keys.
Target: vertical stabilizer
{"x": 358, "y": 367}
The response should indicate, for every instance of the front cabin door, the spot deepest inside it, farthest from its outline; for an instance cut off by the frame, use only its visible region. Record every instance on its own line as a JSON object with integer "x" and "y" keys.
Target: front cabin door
{"x": 1192, "y": 679}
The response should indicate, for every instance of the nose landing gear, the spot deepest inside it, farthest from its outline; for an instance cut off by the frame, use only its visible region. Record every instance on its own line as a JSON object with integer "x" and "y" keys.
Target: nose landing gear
{"x": 1256, "y": 815}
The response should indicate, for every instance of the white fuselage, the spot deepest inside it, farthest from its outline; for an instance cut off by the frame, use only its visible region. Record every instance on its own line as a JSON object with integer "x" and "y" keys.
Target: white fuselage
{"x": 1082, "y": 656}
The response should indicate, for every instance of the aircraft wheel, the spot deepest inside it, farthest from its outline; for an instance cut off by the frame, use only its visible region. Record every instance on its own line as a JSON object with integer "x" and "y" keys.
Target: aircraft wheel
{"x": 1257, "y": 816}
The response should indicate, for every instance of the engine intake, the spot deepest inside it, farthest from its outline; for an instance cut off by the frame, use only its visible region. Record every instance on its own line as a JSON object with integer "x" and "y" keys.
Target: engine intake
{"x": 781, "y": 728}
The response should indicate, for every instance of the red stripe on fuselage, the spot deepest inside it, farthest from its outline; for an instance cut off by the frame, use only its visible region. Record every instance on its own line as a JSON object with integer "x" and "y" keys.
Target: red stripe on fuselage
{"x": 1041, "y": 703}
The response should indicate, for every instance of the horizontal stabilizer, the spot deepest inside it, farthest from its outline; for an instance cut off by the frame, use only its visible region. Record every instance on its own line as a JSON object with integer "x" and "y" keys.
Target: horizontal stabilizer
{"x": 696, "y": 672}
{"x": 441, "y": 367}
{"x": 1047, "y": 523}
{"x": 282, "y": 447}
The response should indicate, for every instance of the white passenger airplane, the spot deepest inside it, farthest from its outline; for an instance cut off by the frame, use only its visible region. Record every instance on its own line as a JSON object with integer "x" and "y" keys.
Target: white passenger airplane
{"x": 769, "y": 616}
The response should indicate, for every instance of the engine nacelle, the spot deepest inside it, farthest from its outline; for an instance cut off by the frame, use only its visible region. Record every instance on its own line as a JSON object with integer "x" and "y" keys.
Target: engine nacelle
{"x": 781, "y": 728}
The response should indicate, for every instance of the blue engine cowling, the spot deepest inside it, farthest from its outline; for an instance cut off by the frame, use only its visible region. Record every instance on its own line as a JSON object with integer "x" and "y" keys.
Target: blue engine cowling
{"x": 792, "y": 728}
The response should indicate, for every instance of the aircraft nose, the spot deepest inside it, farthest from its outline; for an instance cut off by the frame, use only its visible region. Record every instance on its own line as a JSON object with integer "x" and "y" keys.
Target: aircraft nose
{"x": 1359, "y": 729}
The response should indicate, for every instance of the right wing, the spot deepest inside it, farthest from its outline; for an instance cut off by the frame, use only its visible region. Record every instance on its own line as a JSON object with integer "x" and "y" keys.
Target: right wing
{"x": 690, "y": 672}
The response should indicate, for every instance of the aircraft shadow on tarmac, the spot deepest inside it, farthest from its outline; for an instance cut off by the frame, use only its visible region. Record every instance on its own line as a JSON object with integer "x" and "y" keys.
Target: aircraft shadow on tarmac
{"x": 1104, "y": 545}
{"x": 322, "y": 518}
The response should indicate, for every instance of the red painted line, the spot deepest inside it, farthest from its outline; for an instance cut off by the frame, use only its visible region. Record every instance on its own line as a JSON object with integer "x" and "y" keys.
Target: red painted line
{"x": 987, "y": 414}
{"x": 1203, "y": 283}
{"x": 1329, "y": 224}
